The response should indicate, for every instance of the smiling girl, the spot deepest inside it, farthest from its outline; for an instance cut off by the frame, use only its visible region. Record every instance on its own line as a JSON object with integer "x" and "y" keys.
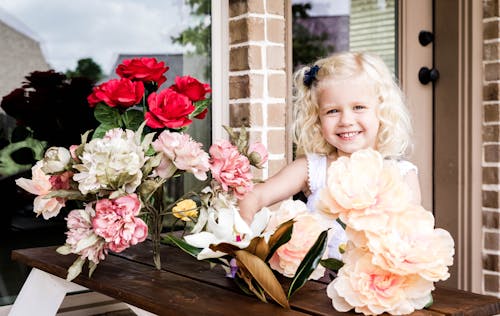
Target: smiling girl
{"x": 343, "y": 103}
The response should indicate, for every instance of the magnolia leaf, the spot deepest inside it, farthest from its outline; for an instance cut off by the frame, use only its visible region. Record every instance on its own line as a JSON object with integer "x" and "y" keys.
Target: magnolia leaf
{"x": 253, "y": 286}
{"x": 280, "y": 237}
{"x": 92, "y": 266}
{"x": 187, "y": 248}
{"x": 259, "y": 247}
{"x": 75, "y": 269}
{"x": 225, "y": 247}
{"x": 263, "y": 276}
{"x": 67, "y": 194}
{"x": 332, "y": 264}
{"x": 101, "y": 130}
{"x": 64, "y": 249}
{"x": 243, "y": 287}
{"x": 132, "y": 119}
{"x": 309, "y": 263}
{"x": 107, "y": 115}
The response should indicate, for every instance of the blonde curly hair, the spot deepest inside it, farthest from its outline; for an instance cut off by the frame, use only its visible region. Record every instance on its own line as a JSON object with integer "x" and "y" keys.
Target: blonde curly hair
{"x": 394, "y": 133}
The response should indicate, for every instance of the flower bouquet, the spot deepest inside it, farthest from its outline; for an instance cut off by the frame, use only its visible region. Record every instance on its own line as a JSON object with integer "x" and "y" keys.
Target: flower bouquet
{"x": 117, "y": 177}
{"x": 290, "y": 241}
{"x": 394, "y": 254}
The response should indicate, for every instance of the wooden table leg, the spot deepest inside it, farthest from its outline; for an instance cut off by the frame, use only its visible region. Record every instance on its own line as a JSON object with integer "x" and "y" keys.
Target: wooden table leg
{"x": 42, "y": 294}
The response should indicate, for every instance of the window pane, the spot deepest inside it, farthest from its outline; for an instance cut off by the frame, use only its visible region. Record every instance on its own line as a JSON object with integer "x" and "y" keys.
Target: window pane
{"x": 327, "y": 26}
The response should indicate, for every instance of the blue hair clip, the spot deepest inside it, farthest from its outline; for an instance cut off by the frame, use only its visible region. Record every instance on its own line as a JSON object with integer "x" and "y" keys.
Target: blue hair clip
{"x": 310, "y": 75}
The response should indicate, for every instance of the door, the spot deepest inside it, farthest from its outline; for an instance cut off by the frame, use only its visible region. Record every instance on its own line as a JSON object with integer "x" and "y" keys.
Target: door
{"x": 446, "y": 118}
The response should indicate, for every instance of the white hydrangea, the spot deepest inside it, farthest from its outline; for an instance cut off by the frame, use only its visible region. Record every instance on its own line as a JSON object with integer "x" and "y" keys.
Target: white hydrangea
{"x": 111, "y": 163}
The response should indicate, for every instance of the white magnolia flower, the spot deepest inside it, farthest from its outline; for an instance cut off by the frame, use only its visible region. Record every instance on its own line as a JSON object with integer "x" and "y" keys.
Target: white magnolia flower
{"x": 113, "y": 162}
{"x": 226, "y": 226}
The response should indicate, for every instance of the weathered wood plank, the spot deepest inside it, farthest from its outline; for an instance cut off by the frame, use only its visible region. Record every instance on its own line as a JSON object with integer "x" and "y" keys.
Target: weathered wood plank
{"x": 159, "y": 292}
{"x": 456, "y": 302}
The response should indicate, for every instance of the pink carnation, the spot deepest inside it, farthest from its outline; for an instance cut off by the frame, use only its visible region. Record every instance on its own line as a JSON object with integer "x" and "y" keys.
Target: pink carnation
{"x": 115, "y": 220}
{"x": 230, "y": 168}
{"x": 80, "y": 232}
{"x": 183, "y": 152}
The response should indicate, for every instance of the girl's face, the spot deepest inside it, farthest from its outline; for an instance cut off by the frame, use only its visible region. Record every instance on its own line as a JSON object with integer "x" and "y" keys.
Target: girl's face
{"x": 348, "y": 114}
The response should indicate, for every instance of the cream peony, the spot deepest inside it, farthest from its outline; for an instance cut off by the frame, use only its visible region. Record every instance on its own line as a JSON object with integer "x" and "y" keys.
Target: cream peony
{"x": 287, "y": 258}
{"x": 371, "y": 290}
{"x": 363, "y": 190}
{"x": 111, "y": 163}
{"x": 288, "y": 210}
{"x": 409, "y": 244}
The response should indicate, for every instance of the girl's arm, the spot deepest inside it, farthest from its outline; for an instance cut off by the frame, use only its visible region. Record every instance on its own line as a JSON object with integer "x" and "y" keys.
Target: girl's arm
{"x": 411, "y": 179}
{"x": 287, "y": 182}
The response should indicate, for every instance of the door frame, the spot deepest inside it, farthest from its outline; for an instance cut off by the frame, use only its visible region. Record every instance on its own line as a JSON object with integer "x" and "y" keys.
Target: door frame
{"x": 452, "y": 151}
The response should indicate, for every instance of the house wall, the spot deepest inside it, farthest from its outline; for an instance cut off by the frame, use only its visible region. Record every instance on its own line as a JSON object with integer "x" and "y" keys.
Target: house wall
{"x": 491, "y": 147}
{"x": 257, "y": 76}
{"x": 19, "y": 55}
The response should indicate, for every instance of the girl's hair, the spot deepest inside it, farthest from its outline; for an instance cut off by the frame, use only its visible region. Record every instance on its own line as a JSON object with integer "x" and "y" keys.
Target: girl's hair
{"x": 395, "y": 126}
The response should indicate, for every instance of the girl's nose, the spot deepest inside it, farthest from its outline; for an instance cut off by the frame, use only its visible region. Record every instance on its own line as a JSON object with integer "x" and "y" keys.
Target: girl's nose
{"x": 346, "y": 118}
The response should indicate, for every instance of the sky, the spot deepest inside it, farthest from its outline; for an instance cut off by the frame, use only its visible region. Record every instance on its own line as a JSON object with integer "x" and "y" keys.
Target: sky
{"x": 101, "y": 29}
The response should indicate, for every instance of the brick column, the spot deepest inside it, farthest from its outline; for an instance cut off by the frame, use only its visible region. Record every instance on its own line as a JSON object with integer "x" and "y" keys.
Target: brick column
{"x": 257, "y": 77}
{"x": 491, "y": 148}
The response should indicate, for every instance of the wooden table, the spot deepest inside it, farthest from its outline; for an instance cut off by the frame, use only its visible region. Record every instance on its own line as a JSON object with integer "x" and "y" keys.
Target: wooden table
{"x": 186, "y": 286}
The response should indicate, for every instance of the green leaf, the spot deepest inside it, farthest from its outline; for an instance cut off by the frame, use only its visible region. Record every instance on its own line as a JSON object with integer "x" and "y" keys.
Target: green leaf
{"x": 261, "y": 272}
{"x": 280, "y": 237}
{"x": 309, "y": 263}
{"x": 187, "y": 248}
{"x": 102, "y": 129}
{"x": 107, "y": 115}
{"x": 200, "y": 106}
{"x": 431, "y": 301}
{"x": 332, "y": 264}
{"x": 132, "y": 119}
{"x": 67, "y": 194}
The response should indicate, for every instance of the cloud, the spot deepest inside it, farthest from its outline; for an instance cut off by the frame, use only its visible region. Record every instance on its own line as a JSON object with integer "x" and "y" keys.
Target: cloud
{"x": 76, "y": 29}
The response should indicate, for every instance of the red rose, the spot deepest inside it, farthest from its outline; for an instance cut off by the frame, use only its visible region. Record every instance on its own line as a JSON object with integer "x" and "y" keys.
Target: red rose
{"x": 191, "y": 88}
{"x": 117, "y": 92}
{"x": 168, "y": 109}
{"x": 143, "y": 69}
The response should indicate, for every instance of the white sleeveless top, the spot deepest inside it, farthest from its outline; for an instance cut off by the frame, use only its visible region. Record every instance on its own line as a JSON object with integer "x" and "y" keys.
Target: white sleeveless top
{"x": 317, "y": 167}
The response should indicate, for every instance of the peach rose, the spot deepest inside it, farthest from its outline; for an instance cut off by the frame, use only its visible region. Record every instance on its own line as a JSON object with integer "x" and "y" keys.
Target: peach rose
{"x": 371, "y": 290}
{"x": 287, "y": 258}
{"x": 288, "y": 209}
{"x": 410, "y": 244}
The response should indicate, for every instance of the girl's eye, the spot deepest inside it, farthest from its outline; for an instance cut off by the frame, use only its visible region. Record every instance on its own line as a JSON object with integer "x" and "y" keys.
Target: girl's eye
{"x": 359, "y": 107}
{"x": 332, "y": 111}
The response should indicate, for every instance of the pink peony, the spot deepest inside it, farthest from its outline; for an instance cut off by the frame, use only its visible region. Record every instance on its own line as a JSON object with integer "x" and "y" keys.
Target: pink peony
{"x": 81, "y": 237}
{"x": 372, "y": 291}
{"x": 61, "y": 181}
{"x": 230, "y": 168}
{"x": 258, "y": 154}
{"x": 115, "y": 220}
{"x": 287, "y": 258}
{"x": 117, "y": 92}
{"x": 183, "y": 152}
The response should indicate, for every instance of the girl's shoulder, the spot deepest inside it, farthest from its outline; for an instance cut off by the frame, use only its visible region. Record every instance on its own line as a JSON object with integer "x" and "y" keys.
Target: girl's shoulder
{"x": 405, "y": 166}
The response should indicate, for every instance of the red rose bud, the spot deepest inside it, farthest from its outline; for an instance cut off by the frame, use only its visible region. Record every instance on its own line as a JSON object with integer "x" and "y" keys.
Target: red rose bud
{"x": 202, "y": 114}
{"x": 191, "y": 87}
{"x": 143, "y": 69}
{"x": 117, "y": 92}
{"x": 168, "y": 109}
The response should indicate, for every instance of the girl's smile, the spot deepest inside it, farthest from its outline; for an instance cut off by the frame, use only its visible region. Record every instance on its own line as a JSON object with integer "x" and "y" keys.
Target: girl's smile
{"x": 348, "y": 114}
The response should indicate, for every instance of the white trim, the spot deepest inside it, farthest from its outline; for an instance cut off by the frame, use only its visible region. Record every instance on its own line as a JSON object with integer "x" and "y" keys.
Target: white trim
{"x": 220, "y": 68}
